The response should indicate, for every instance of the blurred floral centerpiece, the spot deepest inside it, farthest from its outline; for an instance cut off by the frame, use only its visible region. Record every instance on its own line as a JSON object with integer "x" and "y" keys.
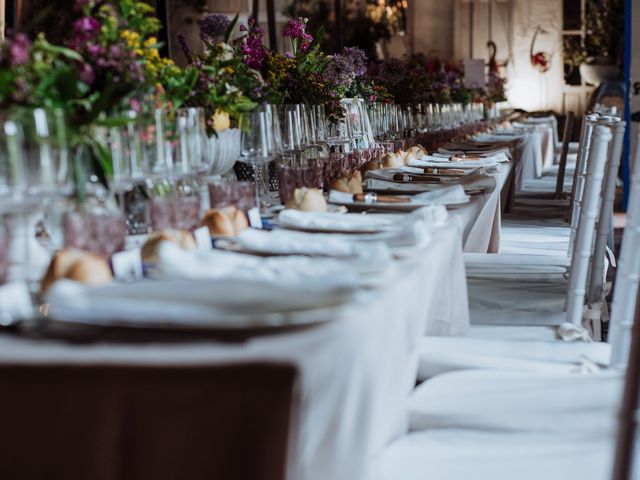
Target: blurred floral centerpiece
{"x": 299, "y": 75}
{"x": 228, "y": 80}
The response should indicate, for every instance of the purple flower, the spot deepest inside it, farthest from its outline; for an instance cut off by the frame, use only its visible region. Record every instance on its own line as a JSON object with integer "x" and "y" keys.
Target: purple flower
{"x": 213, "y": 28}
{"x": 87, "y": 25}
{"x": 95, "y": 50}
{"x": 86, "y": 74}
{"x": 295, "y": 28}
{"x": 253, "y": 52}
{"x": 19, "y": 49}
{"x": 358, "y": 59}
{"x": 339, "y": 71}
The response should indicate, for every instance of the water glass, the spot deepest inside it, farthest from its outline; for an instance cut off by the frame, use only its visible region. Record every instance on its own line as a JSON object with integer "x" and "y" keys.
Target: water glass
{"x": 224, "y": 193}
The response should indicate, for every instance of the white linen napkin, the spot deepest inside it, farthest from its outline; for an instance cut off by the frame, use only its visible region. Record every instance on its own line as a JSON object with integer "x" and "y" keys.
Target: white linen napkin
{"x": 441, "y": 161}
{"x": 380, "y": 185}
{"x": 404, "y": 230}
{"x": 15, "y": 302}
{"x": 337, "y": 222}
{"x": 203, "y": 303}
{"x": 432, "y": 215}
{"x": 174, "y": 262}
{"x": 368, "y": 256}
{"x": 440, "y": 196}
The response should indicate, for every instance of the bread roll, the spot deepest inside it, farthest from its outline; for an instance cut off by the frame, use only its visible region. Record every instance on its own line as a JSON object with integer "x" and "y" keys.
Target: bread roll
{"x": 77, "y": 265}
{"x": 182, "y": 238}
{"x": 341, "y": 185}
{"x": 391, "y": 160}
{"x": 355, "y": 182}
{"x": 371, "y": 165}
{"x": 225, "y": 222}
{"x": 418, "y": 151}
{"x": 307, "y": 200}
{"x": 407, "y": 157}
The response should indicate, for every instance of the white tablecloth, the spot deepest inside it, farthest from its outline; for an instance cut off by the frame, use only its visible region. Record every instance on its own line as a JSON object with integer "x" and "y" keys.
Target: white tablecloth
{"x": 356, "y": 371}
{"x": 479, "y": 220}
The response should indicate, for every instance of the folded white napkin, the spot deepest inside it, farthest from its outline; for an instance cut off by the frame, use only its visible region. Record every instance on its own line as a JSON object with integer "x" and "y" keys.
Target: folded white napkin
{"x": 15, "y": 302}
{"x": 358, "y": 222}
{"x": 224, "y": 302}
{"x": 174, "y": 262}
{"x": 337, "y": 222}
{"x": 377, "y": 184}
{"x": 395, "y": 230}
{"x": 389, "y": 173}
{"x": 441, "y": 196}
{"x": 499, "y": 153}
{"x": 442, "y": 161}
{"x": 366, "y": 256}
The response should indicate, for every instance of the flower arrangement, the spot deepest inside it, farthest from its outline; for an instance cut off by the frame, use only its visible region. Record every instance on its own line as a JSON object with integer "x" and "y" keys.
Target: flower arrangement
{"x": 300, "y": 76}
{"x": 296, "y": 77}
{"x": 109, "y": 63}
{"x": 419, "y": 79}
{"x": 121, "y": 60}
{"x": 227, "y": 82}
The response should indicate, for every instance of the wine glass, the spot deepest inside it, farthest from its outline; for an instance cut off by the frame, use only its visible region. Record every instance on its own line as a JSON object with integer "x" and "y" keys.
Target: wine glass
{"x": 34, "y": 180}
{"x": 172, "y": 185}
{"x": 260, "y": 146}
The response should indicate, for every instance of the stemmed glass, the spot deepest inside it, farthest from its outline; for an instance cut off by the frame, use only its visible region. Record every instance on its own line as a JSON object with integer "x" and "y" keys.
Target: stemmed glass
{"x": 260, "y": 146}
{"x": 174, "y": 191}
{"x": 34, "y": 178}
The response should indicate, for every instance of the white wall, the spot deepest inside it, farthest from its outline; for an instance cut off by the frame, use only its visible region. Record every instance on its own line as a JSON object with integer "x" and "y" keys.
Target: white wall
{"x": 529, "y": 88}
{"x": 443, "y": 26}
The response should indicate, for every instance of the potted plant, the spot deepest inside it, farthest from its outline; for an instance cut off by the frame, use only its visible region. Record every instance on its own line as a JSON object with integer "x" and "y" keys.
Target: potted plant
{"x": 599, "y": 55}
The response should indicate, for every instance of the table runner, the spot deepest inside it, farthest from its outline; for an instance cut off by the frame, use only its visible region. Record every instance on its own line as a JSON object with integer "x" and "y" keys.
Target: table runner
{"x": 367, "y": 356}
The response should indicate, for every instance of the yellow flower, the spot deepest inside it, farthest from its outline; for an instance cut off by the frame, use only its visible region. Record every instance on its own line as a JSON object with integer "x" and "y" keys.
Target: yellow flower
{"x": 221, "y": 121}
{"x": 229, "y": 70}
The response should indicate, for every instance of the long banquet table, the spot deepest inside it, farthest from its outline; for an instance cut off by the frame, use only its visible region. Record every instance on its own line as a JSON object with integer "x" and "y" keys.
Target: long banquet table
{"x": 356, "y": 369}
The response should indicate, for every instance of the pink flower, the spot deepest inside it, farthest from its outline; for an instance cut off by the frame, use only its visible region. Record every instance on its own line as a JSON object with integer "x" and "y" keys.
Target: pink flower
{"x": 86, "y": 74}
{"x": 19, "y": 49}
{"x": 86, "y": 25}
{"x": 135, "y": 105}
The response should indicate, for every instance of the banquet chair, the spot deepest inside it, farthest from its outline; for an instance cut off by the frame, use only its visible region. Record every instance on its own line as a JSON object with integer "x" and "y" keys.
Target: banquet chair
{"x": 539, "y": 436}
{"x": 537, "y": 235}
{"x": 542, "y": 399}
{"x": 538, "y": 349}
{"x": 501, "y": 281}
{"x": 527, "y": 233}
{"x": 542, "y": 241}
{"x": 492, "y": 425}
{"x": 116, "y": 422}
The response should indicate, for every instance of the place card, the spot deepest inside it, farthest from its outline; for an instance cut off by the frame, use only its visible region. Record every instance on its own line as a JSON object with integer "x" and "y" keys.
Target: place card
{"x": 474, "y": 76}
{"x": 255, "y": 220}
{"x": 127, "y": 265}
{"x": 203, "y": 238}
